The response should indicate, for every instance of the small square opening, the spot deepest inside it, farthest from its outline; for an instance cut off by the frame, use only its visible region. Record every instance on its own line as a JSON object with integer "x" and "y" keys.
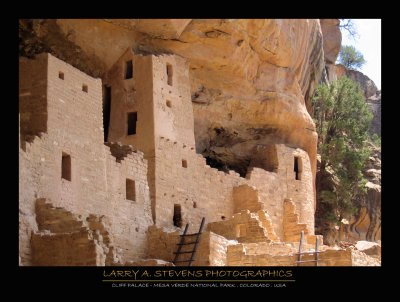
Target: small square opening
{"x": 169, "y": 104}
{"x": 61, "y": 75}
{"x": 184, "y": 163}
{"x": 85, "y": 88}
{"x": 130, "y": 189}
{"x": 66, "y": 166}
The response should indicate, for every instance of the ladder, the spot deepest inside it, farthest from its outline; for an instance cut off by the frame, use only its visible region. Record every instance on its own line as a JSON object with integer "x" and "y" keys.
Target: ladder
{"x": 300, "y": 253}
{"x": 192, "y": 242}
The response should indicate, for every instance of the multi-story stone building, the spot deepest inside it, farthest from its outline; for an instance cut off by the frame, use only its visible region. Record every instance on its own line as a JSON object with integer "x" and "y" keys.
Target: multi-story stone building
{"x": 109, "y": 173}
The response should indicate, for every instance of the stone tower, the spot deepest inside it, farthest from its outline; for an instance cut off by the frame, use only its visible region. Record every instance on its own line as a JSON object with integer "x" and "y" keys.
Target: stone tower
{"x": 147, "y": 99}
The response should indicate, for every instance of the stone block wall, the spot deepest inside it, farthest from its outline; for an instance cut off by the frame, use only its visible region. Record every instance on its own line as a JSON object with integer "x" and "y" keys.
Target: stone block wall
{"x": 211, "y": 251}
{"x": 278, "y": 254}
{"x": 97, "y": 182}
{"x": 75, "y": 249}
{"x": 183, "y": 178}
{"x": 246, "y": 198}
{"x": 243, "y": 227}
{"x": 130, "y": 218}
{"x": 33, "y": 97}
{"x": 173, "y": 111}
{"x": 274, "y": 187}
{"x": 132, "y": 93}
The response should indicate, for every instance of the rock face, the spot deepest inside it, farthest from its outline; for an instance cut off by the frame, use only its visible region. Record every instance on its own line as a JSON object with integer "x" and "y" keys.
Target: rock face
{"x": 366, "y": 225}
{"x": 332, "y": 39}
{"x": 367, "y": 85}
{"x": 369, "y": 248}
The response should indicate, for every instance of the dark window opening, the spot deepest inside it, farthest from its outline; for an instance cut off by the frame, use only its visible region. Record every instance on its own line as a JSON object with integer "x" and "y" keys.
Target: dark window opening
{"x": 130, "y": 189}
{"x": 106, "y": 110}
{"x": 297, "y": 167}
{"x": 194, "y": 204}
{"x": 177, "y": 219}
{"x": 169, "y": 104}
{"x": 184, "y": 163}
{"x": 169, "y": 74}
{"x": 61, "y": 75}
{"x": 223, "y": 217}
{"x": 132, "y": 119}
{"x": 128, "y": 69}
{"x": 85, "y": 88}
{"x": 66, "y": 166}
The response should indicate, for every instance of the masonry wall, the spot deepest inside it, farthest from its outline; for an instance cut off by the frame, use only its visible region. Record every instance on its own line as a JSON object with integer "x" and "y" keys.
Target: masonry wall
{"x": 173, "y": 111}
{"x": 200, "y": 190}
{"x": 274, "y": 187}
{"x": 75, "y": 249}
{"x": 133, "y": 94}
{"x": 131, "y": 218}
{"x": 33, "y": 97}
{"x": 262, "y": 254}
{"x": 301, "y": 191}
{"x": 97, "y": 184}
{"x": 211, "y": 250}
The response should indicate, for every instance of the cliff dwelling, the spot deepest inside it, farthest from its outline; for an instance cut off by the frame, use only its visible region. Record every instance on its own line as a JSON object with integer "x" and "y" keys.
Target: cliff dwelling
{"x": 112, "y": 171}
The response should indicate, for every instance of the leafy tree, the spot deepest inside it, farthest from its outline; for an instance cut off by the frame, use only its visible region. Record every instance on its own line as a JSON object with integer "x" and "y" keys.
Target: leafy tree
{"x": 342, "y": 119}
{"x": 351, "y": 57}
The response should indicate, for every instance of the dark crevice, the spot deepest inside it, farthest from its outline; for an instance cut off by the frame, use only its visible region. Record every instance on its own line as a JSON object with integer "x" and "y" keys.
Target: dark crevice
{"x": 239, "y": 166}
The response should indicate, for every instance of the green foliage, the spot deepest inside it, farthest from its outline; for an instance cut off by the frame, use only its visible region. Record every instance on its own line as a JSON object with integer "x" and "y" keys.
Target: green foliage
{"x": 342, "y": 119}
{"x": 351, "y": 57}
{"x": 376, "y": 139}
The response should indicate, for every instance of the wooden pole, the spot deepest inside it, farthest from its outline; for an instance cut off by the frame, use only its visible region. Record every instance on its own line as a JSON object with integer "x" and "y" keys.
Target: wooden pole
{"x": 300, "y": 243}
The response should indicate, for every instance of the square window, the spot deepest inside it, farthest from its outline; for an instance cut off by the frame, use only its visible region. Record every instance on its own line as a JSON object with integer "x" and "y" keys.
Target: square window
{"x": 184, "y": 163}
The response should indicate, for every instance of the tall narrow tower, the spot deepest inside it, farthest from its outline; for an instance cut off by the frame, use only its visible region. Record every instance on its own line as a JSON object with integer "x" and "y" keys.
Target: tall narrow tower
{"x": 148, "y": 100}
